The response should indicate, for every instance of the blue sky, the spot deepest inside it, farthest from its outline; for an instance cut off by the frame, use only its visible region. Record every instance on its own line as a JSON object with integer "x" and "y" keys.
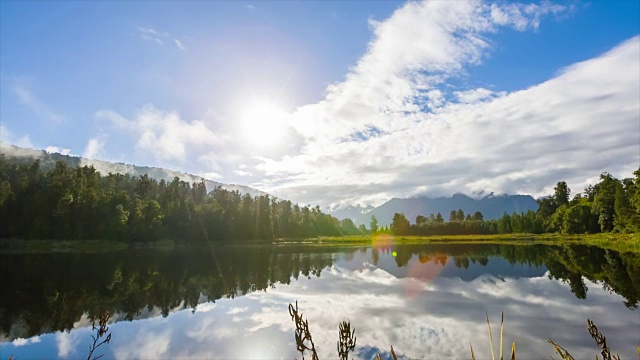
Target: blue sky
{"x": 331, "y": 102}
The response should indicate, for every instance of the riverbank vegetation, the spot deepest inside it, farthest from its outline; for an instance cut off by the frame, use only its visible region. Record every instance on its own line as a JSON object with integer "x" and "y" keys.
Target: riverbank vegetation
{"x": 78, "y": 203}
{"x": 610, "y": 206}
{"x": 612, "y": 241}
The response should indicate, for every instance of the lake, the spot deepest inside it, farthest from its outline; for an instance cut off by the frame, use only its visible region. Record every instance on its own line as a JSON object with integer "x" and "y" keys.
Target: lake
{"x": 427, "y": 301}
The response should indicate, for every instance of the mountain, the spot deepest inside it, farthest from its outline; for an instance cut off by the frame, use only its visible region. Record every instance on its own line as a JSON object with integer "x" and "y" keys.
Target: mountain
{"x": 48, "y": 160}
{"x": 351, "y": 212}
{"x": 491, "y": 207}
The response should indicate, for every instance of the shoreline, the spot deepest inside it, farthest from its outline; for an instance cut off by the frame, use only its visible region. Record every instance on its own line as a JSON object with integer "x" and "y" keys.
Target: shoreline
{"x": 612, "y": 241}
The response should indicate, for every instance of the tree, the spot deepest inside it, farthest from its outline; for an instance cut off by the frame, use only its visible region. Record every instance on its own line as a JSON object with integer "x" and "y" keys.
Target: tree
{"x": 439, "y": 218}
{"x": 622, "y": 206}
{"x": 460, "y": 215}
{"x": 477, "y": 216}
{"x": 604, "y": 201}
{"x": 579, "y": 219}
{"x": 453, "y": 215}
{"x": 421, "y": 220}
{"x": 374, "y": 224}
{"x": 562, "y": 192}
{"x": 400, "y": 224}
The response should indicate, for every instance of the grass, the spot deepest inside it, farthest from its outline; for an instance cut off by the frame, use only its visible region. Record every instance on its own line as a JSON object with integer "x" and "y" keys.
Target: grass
{"x": 76, "y": 246}
{"x": 617, "y": 242}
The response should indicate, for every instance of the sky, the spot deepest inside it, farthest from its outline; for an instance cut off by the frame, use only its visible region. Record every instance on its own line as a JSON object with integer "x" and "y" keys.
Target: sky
{"x": 332, "y": 103}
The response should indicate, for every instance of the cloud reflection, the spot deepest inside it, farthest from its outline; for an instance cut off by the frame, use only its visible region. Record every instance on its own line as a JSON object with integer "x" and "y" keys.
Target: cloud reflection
{"x": 425, "y": 310}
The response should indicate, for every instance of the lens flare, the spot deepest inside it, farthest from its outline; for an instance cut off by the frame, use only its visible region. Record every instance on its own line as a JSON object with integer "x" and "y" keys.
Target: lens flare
{"x": 422, "y": 271}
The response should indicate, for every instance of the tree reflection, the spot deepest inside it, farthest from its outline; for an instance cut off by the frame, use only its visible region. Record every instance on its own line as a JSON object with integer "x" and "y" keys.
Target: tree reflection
{"x": 51, "y": 292}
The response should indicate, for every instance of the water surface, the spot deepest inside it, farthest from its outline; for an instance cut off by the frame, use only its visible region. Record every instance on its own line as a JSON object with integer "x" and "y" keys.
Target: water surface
{"x": 428, "y": 301}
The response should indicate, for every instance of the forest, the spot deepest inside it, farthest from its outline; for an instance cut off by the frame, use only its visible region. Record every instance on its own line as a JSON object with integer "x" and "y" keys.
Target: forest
{"x": 611, "y": 205}
{"x": 78, "y": 203}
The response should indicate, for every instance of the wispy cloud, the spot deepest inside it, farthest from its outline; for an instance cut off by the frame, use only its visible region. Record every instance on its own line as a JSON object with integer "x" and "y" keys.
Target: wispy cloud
{"x": 28, "y": 99}
{"x": 160, "y": 37}
{"x": 249, "y": 7}
{"x": 8, "y": 137}
{"x": 150, "y": 34}
{"x": 179, "y": 44}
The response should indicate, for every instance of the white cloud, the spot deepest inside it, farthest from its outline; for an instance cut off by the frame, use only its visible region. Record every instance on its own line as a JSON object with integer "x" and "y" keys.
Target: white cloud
{"x": 390, "y": 129}
{"x": 179, "y": 44}
{"x": 8, "y": 137}
{"x": 212, "y": 175}
{"x": 20, "y": 342}
{"x": 162, "y": 134}
{"x": 242, "y": 173}
{"x": 54, "y": 149}
{"x": 28, "y": 99}
{"x": 94, "y": 149}
{"x": 475, "y": 95}
{"x": 249, "y": 7}
{"x": 66, "y": 343}
{"x": 146, "y": 345}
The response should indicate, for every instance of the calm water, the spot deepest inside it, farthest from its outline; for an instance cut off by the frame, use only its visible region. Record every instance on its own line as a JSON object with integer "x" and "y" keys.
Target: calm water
{"x": 426, "y": 301}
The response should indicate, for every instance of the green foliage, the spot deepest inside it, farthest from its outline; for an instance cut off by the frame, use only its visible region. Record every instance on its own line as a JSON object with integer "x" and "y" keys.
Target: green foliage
{"x": 79, "y": 203}
{"x": 374, "y": 224}
{"x": 400, "y": 225}
{"x": 579, "y": 219}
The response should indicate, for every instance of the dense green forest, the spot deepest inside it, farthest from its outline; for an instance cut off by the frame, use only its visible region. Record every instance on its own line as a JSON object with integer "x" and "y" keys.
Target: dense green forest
{"x": 611, "y": 205}
{"x": 130, "y": 284}
{"x": 70, "y": 203}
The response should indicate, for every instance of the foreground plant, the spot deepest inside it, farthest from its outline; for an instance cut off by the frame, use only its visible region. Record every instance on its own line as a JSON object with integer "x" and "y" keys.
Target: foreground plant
{"x": 599, "y": 339}
{"x": 513, "y": 345}
{"x": 100, "y": 330}
{"x": 347, "y": 340}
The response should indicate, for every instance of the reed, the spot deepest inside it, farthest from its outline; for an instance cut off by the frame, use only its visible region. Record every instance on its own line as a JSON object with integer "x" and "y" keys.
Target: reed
{"x": 347, "y": 340}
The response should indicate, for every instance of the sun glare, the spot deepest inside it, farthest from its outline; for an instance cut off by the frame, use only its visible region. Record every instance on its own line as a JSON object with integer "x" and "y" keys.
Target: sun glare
{"x": 263, "y": 124}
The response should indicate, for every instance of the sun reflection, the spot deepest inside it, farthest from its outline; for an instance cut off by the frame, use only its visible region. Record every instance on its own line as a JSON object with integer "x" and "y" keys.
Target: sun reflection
{"x": 424, "y": 271}
{"x": 383, "y": 241}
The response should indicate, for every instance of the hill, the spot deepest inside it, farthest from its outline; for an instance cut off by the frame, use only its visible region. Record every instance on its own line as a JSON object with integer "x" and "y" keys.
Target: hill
{"x": 48, "y": 161}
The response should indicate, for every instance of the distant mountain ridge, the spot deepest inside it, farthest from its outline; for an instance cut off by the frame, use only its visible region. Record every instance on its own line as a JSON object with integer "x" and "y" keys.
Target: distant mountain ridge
{"x": 352, "y": 212}
{"x": 48, "y": 160}
{"x": 491, "y": 207}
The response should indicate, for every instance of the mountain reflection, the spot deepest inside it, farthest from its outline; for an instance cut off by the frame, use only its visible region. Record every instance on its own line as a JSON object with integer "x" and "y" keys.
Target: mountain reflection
{"x": 438, "y": 291}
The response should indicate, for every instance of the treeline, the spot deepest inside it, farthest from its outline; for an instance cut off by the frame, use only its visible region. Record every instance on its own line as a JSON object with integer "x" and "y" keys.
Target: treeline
{"x": 70, "y": 203}
{"x": 611, "y": 205}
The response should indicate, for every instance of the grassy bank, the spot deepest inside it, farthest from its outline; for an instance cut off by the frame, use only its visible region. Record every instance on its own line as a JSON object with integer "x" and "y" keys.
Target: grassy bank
{"x": 44, "y": 246}
{"x": 77, "y": 246}
{"x": 617, "y": 242}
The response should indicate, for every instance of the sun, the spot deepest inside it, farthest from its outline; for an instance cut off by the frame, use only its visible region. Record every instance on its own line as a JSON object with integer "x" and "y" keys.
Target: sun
{"x": 263, "y": 124}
